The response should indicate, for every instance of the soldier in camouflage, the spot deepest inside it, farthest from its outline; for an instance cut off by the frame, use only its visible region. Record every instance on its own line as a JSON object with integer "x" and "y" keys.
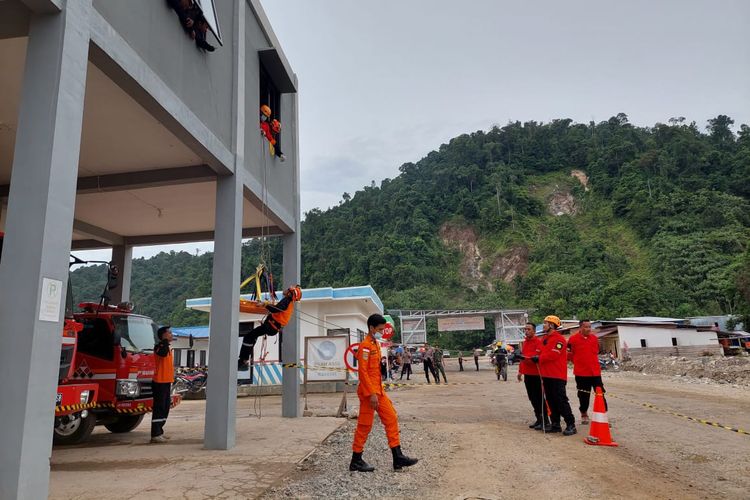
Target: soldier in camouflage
{"x": 437, "y": 361}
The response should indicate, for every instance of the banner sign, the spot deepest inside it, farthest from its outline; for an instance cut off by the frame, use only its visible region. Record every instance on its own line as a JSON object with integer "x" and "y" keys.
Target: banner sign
{"x": 324, "y": 358}
{"x": 460, "y": 323}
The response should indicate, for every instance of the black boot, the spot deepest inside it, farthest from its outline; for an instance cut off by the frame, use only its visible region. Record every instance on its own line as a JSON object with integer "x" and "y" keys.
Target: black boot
{"x": 359, "y": 465}
{"x": 570, "y": 429}
{"x": 554, "y": 428}
{"x": 538, "y": 422}
{"x": 546, "y": 423}
{"x": 400, "y": 460}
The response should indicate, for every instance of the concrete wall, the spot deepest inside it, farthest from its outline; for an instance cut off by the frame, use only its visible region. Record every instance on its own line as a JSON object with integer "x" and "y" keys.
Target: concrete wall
{"x": 662, "y": 337}
{"x": 203, "y": 81}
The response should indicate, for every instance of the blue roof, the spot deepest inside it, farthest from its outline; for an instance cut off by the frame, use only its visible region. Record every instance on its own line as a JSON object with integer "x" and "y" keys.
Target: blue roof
{"x": 198, "y": 332}
{"x": 352, "y": 292}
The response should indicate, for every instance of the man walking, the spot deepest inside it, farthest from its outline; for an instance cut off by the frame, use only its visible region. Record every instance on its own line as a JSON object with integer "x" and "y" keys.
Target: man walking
{"x": 372, "y": 398}
{"x": 553, "y": 366}
{"x": 460, "y": 361}
{"x": 437, "y": 359}
{"x": 583, "y": 350}
{"x": 406, "y": 366}
{"x": 161, "y": 384}
{"x": 429, "y": 366}
{"x": 528, "y": 372}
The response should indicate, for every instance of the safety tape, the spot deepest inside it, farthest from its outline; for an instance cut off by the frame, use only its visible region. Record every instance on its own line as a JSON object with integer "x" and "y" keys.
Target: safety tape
{"x": 651, "y": 406}
{"x": 79, "y": 407}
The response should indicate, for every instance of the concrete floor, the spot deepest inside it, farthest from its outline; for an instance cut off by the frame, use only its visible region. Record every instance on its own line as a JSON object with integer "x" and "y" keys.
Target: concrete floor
{"x": 120, "y": 466}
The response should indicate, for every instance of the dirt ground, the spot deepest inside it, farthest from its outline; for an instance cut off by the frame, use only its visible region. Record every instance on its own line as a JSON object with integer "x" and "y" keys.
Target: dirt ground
{"x": 470, "y": 435}
{"x": 490, "y": 453}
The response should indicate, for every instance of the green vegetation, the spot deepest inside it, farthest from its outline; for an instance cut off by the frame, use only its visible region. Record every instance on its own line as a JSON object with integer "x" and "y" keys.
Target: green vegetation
{"x": 661, "y": 229}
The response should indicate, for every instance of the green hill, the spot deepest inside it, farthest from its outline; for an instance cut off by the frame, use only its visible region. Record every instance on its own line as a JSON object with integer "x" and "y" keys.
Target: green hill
{"x": 597, "y": 220}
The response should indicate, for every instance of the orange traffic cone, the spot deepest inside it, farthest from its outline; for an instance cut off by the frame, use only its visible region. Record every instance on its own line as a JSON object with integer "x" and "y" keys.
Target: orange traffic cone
{"x": 599, "y": 429}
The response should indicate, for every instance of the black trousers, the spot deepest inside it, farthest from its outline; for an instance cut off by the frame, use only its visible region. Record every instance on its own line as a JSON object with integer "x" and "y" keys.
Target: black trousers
{"x": 160, "y": 411}
{"x": 557, "y": 398}
{"x": 430, "y": 368}
{"x": 248, "y": 341}
{"x": 533, "y": 385}
{"x": 476, "y": 362}
{"x": 460, "y": 364}
{"x": 586, "y": 387}
{"x": 407, "y": 370}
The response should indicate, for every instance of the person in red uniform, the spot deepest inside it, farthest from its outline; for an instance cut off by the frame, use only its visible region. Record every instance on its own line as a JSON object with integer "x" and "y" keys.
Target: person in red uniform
{"x": 583, "y": 351}
{"x": 372, "y": 398}
{"x": 553, "y": 367}
{"x": 529, "y": 373}
{"x": 278, "y": 317}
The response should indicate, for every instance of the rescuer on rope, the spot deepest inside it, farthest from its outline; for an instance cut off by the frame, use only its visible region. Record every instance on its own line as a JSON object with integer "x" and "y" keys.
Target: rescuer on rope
{"x": 278, "y": 317}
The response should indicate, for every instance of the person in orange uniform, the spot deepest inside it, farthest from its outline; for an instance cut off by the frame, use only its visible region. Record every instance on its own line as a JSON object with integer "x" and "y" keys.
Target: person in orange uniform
{"x": 583, "y": 351}
{"x": 528, "y": 372}
{"x": 372, "y": 398}
{"x": 278, "y": 317}
{"x": 553, "y": 367}
{"x": 162, "y": 384}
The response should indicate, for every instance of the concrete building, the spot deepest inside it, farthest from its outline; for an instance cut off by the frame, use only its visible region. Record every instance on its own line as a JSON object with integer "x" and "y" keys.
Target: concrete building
{"x": 116, "y": 131}
{"x": 651, "y": 335}
{"x": 321, "y": 312}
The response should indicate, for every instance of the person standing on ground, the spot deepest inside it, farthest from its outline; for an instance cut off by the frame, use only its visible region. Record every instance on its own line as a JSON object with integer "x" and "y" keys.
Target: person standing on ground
{"x": 460, "y": 361}
{"x": 406, "y": 366}
{"x": 477, "y": 353}
{"x": 161, "y": 384}
{"x": 437, "y": 360}
{"x": 429, "y": 366}
{"x": 553, "y": 367}
{"x": 583, "y": 351}
{"x": 527, "y": 372}
{"x": 372, "y": 398}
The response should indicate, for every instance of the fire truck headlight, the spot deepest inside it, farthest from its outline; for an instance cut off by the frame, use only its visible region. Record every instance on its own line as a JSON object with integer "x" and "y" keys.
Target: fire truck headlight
{"x": 85, "y": 397}
{"x": 128, "y": 388}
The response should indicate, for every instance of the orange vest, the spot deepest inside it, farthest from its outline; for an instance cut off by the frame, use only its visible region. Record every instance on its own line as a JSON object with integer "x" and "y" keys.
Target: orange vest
{"x": 368, "y": 361}
{"x": 164, "y": 368}
{"x": 282, "y": 317}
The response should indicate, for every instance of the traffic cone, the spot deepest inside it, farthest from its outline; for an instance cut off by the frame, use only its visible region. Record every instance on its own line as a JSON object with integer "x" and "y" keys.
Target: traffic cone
{"x": 599, "y": 428}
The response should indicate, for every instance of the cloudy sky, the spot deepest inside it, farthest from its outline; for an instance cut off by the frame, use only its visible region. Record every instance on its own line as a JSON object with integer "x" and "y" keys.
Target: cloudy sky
{"x": 385, "y": 82}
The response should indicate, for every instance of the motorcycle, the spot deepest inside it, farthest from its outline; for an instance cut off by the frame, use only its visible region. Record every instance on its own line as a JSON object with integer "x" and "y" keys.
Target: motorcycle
{"x": 191, "y": 380}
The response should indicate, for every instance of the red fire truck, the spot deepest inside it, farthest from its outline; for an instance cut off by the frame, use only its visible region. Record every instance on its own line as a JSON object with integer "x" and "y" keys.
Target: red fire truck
{"x": 106, "y": 366}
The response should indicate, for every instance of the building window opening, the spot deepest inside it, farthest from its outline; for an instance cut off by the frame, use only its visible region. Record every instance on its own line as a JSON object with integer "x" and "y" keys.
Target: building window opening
{"x": 270, "y": 113}
{"x": 674, "y": 341}
{"x": 177, "y": 354}
{"x": 203, "y": 358}
{"x": 643, "y": 342}
{"x": 191, "y": 358}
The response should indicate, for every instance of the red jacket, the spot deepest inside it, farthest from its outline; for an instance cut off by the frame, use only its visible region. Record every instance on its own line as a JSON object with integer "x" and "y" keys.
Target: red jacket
{"x": 584, "y": 353}
{"x": 530, "y": 348}
{"x": 553, "y": 361}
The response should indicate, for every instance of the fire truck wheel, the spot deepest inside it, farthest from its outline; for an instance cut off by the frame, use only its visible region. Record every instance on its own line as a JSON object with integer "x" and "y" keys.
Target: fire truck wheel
{"x": 74, "y": 429}
{"x": 124, "y": 423}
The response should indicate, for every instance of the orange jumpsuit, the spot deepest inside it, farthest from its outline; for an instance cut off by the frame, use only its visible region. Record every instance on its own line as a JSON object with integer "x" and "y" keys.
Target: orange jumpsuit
{"x": 368, "y": 357}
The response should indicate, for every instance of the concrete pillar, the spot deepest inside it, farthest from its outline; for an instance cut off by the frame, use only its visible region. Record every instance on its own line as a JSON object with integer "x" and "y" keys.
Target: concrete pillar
{"x": 221, "y": 393}
{"x": 292, "y": 271}
{"x": 34, "y": 269}
{"x": 122, "y": 256}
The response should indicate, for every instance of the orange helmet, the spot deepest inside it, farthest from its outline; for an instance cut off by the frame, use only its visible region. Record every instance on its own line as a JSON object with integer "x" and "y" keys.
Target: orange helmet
{"x": 265, "y": 110}
{"x": 276, "y": 125}
{"x": 554, "y": 320}
{"x": 295, "y": 292}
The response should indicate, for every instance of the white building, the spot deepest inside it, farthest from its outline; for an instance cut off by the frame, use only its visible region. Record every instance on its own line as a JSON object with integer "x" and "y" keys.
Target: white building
{"x": 322, "y": 312}
{"x": 653, "y": 335}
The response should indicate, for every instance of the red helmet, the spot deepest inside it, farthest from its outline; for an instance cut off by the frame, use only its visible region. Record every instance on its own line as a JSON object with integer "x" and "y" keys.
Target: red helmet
{"x": 295, "y": 292}
{"x": 276, "y": 125}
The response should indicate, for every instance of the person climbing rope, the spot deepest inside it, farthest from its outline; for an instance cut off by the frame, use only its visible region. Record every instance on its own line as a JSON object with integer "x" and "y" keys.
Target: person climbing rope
{"x": 278, "y": 317}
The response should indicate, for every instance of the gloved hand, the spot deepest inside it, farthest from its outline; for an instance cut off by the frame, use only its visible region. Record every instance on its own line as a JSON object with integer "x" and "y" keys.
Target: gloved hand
{"x": 535, "y": 359}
